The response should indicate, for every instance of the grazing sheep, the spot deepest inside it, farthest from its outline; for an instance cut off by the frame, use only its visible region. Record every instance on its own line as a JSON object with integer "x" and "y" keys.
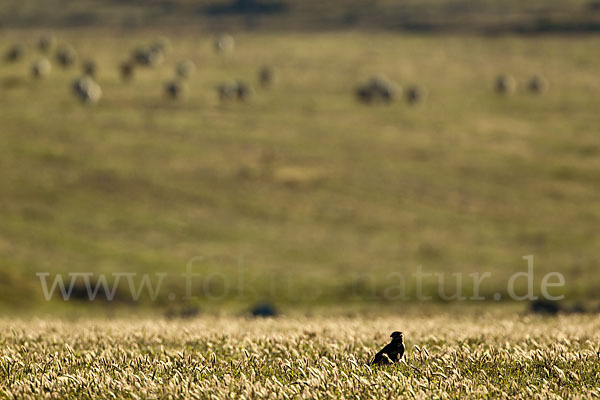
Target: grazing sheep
{"x": 266, "y": 76}
{"x": 41, "y": 68}
{"x": 66, "y": 56}
{"x": 227, "y": 90}
{"x": 237, "y": 90}
{"x": 90, "y": 68}
{"x": 148, "y": 57}
{"x": 505, "y": 84}
{"x": 185, "y": 69}
{"x": 377, "y": 89}
{"x": 416, "y": 94}
{"x": 126, "y": 70}
{"x": 142, "y": 56}
{"x": 243, "y": 91}
{"x": 224, "y": 43}
{"x": 537, "y": 85}
{"x": 88, "y": 91}
{"x": 46, "y": 43}
{"x": 15, "y": 53}
{"x": 176, "y": 89}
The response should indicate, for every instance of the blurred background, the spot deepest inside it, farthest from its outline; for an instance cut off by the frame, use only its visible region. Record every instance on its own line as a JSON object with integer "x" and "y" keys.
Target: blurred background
{"x": 306, "y": 150}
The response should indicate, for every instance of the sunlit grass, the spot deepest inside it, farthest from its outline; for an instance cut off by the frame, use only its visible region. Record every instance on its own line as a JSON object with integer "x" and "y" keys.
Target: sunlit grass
{"x": 447, "y": 356}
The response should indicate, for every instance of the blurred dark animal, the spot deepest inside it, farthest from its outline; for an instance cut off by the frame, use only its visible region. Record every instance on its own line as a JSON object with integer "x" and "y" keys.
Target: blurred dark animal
{"x": 416, "y": 94}
{"x": 175, "y": 89}
{"x": 126, "y": 69}
{"x": 537, "y": 85}
{"x": 505, "y": 84}
{"x": 95, "y": 293}
{"x": 364, "y": 94}
{"x": 247, "y": 7}
{"x": 148, "y": 56}
{"x": 90, "y": 68}
{"x": 544, "y": 307}
{"x": 377, "y": 89}
{"x": 264, "y": 310}
{"x": 234, "y": 90}
{"x": 392, "y": 352}
{"x": 46, "y": 43}
{"x": 66, "y": 56}
{"x": 243, "y": 91}
{"x": 266, "y": 76}
{"x": 15, "y": 53}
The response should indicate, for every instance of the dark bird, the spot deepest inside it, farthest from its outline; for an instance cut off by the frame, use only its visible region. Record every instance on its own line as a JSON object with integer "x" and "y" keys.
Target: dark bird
{"x": 393, "y": 350}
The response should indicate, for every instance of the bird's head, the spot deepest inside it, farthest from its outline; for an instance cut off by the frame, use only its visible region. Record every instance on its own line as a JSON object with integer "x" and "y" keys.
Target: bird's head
{"x": 396, "y": 335}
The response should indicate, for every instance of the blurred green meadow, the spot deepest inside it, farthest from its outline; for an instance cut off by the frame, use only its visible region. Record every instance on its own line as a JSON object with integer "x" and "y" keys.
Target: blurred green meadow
{"x": 322, "y": 197}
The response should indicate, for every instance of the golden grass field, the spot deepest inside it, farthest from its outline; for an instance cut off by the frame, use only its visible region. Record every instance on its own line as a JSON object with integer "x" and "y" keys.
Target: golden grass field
{"x": 452, "y": 356}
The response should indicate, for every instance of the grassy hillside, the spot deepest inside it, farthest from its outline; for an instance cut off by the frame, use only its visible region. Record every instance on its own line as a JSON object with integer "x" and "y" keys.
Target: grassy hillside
{"x": 487, "y": 356}
{"x": 312, "y": 188}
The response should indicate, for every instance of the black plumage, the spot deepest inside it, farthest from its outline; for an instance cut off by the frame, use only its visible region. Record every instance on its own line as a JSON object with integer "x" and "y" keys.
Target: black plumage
{"x": 394, "y": 350}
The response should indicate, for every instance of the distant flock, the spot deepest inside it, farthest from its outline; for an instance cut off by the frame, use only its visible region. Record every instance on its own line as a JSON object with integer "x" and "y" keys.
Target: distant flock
{"x": 506, "y": 84}
{"x": 377, "y": 89}
{"x": 88, "y": 91}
